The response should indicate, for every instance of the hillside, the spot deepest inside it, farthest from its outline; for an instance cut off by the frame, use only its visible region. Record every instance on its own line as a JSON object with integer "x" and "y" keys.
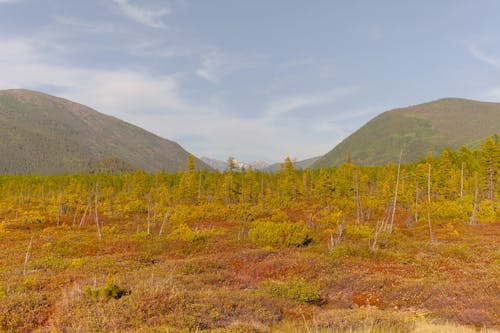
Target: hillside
{"x": 299, "y": 165}
{"x": 429, "y": 127}
{"x": 223, "y": 165}
{"x": 49, "y": 135}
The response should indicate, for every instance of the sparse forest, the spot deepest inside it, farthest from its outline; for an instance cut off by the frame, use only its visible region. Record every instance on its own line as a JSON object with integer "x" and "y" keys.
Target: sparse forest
{"x": 396, "y": 248}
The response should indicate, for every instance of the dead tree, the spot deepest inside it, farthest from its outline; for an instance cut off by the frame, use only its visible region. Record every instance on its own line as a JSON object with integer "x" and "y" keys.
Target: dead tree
{"x": 474, "y": 207}
{"x": 98, "y": 225}
{"x": 431, "y": 234}
{"x": 396, "y": 193}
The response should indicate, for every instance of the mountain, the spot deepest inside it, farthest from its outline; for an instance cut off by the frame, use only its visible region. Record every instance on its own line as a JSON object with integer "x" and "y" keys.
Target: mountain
{"x": 215, "y": 163}
{"x": 49, "y": 135}
{"x": 430, "y": 127}
{"x": 304, "y": 164}
{"x": 222, "y": 165}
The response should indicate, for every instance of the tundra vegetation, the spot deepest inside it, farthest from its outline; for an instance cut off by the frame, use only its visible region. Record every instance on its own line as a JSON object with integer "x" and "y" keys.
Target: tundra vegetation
{"x": 394, "y": 248}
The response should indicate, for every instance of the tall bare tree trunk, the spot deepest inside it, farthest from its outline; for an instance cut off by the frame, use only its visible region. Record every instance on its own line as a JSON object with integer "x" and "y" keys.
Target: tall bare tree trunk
{"x": 98, "y": 225}
{"x": 357, "y": 201}
{"x": 84, "y": 216}
{"x": 431, "y": 234}
{"x": 27, "y": 256}
{"x": 165, "y": 220}
{"x": 396, "y": 193}
{"x": 474, "y": 208}
{"x": 416, "y": 202}
{"x": 462, "y": 181}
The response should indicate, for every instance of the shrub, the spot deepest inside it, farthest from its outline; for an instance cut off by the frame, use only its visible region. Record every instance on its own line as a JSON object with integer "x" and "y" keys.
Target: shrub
{"x": 450, "y": 209}
{"x": 359, "y": 231}
{"x": 486, "y": 211}
{"x": 279, "y": 233}
{"x": 350, "y": 250}
{"x": 298, "y": 290}
{"x": 109, "y": 290}
{"x": 187, "y": 234}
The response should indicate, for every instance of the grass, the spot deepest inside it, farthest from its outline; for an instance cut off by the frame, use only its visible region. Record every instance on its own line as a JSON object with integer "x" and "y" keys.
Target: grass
{"x": 199, "y": 278}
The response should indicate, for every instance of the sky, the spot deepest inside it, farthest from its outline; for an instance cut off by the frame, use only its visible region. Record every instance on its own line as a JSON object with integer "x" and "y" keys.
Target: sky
{"x": 255, "y": 80}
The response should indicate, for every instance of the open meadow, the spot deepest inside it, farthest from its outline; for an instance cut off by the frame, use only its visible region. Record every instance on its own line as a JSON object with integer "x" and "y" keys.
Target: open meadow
{"x": 349, "y": 249}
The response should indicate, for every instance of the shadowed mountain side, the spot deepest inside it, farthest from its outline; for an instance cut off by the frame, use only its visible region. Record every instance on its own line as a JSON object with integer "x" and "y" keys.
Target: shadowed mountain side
{"x": 49, "y": 135}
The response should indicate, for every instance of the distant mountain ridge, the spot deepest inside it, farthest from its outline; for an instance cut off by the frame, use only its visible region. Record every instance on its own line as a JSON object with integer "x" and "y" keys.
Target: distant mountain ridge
{"x": 429, "y": 127}
{"x": 44, "y": 134}
{"x": 299, "y": 165}
{"x": 222, "y": 165}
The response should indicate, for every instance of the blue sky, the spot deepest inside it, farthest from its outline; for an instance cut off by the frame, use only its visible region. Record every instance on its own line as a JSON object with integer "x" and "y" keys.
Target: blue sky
{"x": 257, "y": 80}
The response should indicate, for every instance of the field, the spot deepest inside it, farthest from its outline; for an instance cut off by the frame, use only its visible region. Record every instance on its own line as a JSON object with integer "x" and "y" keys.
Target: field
{"x": 346, "y": 249}
{"x": 210, "y": 276}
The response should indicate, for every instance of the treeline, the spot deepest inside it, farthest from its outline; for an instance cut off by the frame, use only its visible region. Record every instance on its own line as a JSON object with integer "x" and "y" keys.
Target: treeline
{"x": 462, "y": 184}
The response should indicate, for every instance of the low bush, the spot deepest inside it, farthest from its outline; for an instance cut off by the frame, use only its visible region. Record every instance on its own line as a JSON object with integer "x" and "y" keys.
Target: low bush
{"x": 279, "y": 233}
{"x": 357, "y": 231}
{"x": 187, "y": 234}
{"x": 109, "y": 290}
{"x": 486, "y": 212}
{"x": 298, "y": 290}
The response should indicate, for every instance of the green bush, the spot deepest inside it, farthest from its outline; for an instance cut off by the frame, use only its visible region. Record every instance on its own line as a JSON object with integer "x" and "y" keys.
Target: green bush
{"x": 298, "y": 290}
{"x": 187, "y": 234}
{"x": 109, "y": 290}
{"x": 279, "y": 233}
{"x": 486, "y": 212}
{"x": 359, "y": 231}
{"x": 349, "y": 250}
{"x": 450, "y": 209}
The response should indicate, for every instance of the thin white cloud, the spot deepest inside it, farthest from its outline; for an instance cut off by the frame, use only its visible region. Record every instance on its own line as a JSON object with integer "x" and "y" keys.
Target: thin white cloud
{"x": 212, "y": 68}
{"x": 150, "y": 49}
{"x": 295, "y": 102}
{"x": 116, "y": 92}
{"x": 215, "y": 66}
{"x": 485, "y": 58}
{"x": 149, "y": 17}
{"x": 94, "y": 27}
{"x": 9, "y": 1}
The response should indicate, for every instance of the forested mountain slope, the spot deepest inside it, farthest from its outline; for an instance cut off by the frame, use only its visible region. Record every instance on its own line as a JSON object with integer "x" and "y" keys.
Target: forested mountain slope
{"x": 430, "y": 127}
{"x": 49, "y": 135}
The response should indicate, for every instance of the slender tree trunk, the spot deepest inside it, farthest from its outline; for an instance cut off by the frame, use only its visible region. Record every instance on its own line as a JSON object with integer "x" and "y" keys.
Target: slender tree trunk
{"x": 98, "y": 225}
{"x": 396, "y": 193}
{"x": 165, "y": 220}
{"x": 462, "y": 181}
{"x": 84, "y": 216}
{"x": 474, "y": 208}
{"x": 357, "y": 201}
{"x": 416, "y": 202}
{"x": 75, "y": 216}
{"x": 149, "y": 214}
{"x": 27, "y": 256}
{"x": 431, "y": 234}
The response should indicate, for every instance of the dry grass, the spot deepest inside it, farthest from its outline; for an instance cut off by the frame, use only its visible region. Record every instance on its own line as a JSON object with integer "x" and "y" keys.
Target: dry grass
{"x": 218, "y": 282}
